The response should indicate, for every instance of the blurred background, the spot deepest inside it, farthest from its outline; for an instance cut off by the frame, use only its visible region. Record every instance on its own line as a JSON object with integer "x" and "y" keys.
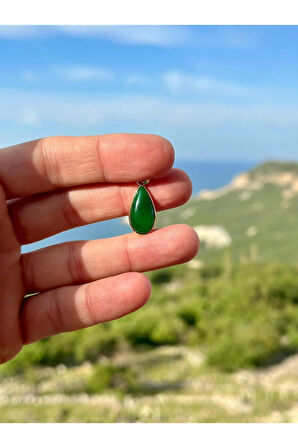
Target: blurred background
{"x": 218, "y": 341}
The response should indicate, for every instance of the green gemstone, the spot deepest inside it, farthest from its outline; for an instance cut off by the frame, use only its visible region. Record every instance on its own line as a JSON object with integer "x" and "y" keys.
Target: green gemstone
{"x": 142, "y": 212}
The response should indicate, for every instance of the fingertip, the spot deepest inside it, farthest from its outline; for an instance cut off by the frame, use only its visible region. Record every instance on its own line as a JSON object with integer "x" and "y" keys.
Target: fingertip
{"x": 169, "y": 152}
{"x": 162, "y": 151}
{"x": 172, "y": 190}
{"x": 192, "y": 240}
{"x": 187, "y": 242}
{"x": 138, "y": 287}
{"x": 186, "y": 182}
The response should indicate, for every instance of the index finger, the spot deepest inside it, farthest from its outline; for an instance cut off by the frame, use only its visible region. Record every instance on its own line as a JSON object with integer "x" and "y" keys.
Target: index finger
{"x": 58, "y": 162}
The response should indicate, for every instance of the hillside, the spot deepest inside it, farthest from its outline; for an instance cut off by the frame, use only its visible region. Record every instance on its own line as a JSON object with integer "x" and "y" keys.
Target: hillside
{"x": 253, "y": 218}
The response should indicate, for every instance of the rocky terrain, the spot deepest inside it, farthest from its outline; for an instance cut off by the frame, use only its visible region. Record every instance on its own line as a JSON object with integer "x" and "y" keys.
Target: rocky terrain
{"x": 183, "y": 393}
{"x": 252, "y": 218}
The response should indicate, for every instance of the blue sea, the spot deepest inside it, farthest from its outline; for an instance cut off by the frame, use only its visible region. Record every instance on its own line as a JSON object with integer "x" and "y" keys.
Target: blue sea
{"x": 204, "y": 175}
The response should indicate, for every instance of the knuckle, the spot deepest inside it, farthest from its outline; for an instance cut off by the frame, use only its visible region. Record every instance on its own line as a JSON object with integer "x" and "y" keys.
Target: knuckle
{"x": 75, "y": 264}
{"x": 89, "y": 306}
{"x": 69, "y": 213}
{"x": 127, "y": 254}
{"x": 52, "y": 170}
{"x": 122, "y": 199}
{"x": 54, "y": 313}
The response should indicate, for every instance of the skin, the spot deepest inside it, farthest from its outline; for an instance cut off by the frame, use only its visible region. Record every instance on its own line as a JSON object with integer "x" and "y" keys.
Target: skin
{"x": 57, "y": 183}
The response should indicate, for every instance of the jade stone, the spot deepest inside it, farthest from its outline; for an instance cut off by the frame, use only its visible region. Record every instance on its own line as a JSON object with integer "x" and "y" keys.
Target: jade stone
{"x": 142, "y": 212}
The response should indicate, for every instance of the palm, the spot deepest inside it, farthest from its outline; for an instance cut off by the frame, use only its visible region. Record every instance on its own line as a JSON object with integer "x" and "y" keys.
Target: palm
{"x": 54, "y": 184}
{"x": 12, "y": 287}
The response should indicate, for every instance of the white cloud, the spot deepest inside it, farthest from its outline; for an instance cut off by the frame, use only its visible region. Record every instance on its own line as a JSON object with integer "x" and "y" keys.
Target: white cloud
{"x": 174, "y": 81}
{"x": 207, "y": 130}
{"x": 162, "y": 36}
{"x": 170, "y": 36}
{"x": 35, "y": 108}
{"x": 83, "y": 73}
{"x": 165, "y": 36}
{"x": 22, "y": 31}
{"x": 183, "y": 83}
{"x": 73, "y": 73}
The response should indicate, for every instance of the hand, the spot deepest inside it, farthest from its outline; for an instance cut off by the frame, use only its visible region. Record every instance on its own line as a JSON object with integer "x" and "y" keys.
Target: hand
{"x": 53, "y": 184}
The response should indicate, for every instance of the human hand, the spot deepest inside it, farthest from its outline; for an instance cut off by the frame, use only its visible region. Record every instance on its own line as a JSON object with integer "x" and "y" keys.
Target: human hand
{"x": 53, "y": 184}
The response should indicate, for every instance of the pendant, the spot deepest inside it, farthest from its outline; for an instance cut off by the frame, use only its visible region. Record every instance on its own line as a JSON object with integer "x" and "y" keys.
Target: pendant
{"x": 142, "y": 211}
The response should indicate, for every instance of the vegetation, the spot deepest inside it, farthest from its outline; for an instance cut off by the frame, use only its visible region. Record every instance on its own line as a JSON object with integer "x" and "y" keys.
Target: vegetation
{"x": 261, "y": 219}
{"x": 207, "y": 345}
{"x": 243, "y": 316}
{"x": 274, "y": 166}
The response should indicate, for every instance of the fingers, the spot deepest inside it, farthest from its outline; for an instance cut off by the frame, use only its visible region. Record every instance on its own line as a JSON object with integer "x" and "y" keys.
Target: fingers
{"x": 63, "y": 209}
{"x": 58, "y": 162}
{"x": 83, "y": 261}
{"x": 73, "y": 307}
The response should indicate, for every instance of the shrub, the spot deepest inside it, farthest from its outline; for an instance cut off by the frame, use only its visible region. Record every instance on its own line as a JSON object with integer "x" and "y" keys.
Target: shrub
{"x": 169, "y": 331}
{"x": 210, "y": 271}
{"x": 107, "y": 376}
{"x": 245, "y": 345}
{"x": 240, "y": 318}
{"x": 161, "y": 277}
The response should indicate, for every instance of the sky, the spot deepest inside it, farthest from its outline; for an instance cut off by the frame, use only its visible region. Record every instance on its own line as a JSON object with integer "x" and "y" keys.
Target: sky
{"x": 216, "y": 92}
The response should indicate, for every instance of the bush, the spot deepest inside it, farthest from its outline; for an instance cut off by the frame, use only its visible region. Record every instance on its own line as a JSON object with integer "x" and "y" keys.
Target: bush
{"x": 107, "y": 376}
{"x": 239, "y": 319}
{"x": 245, "y": 345}
{"x": 161, "y": 277}
{"x": 152, "y": 328}
{"x": 96, "y": 341}
{"x": 189, "y": 311}
{"x": 168, "y": 331}
{"x": 210, "y": 271}
{"x": 66, "y": 348}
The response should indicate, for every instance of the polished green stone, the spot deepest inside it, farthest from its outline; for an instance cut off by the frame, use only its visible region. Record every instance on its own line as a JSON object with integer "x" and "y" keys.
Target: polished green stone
{"x": 142, "y": 212}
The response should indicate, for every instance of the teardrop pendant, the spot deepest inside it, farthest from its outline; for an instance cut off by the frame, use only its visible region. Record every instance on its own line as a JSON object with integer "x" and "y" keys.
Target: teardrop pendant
{"x": 142, "y": 211}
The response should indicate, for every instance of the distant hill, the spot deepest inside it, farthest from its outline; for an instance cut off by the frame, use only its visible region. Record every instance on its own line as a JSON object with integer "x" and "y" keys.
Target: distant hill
{"x": 255, "y": 217}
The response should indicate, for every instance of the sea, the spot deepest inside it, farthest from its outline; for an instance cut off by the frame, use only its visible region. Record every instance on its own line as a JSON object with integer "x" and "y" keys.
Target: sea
{"x": 205, "y": 175}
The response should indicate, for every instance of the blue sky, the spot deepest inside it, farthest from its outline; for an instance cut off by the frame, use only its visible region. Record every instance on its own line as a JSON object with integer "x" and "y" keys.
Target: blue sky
{"x": 217, "y": 92}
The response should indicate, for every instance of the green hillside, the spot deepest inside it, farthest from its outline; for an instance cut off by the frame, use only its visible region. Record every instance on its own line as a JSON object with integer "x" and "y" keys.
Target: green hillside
{"x": 258, "y": 211}
{"x": 272, "y": 166}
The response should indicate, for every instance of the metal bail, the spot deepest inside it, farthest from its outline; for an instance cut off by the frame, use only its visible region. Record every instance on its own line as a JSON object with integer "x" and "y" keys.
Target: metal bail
{"x": 143, "y": 182}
